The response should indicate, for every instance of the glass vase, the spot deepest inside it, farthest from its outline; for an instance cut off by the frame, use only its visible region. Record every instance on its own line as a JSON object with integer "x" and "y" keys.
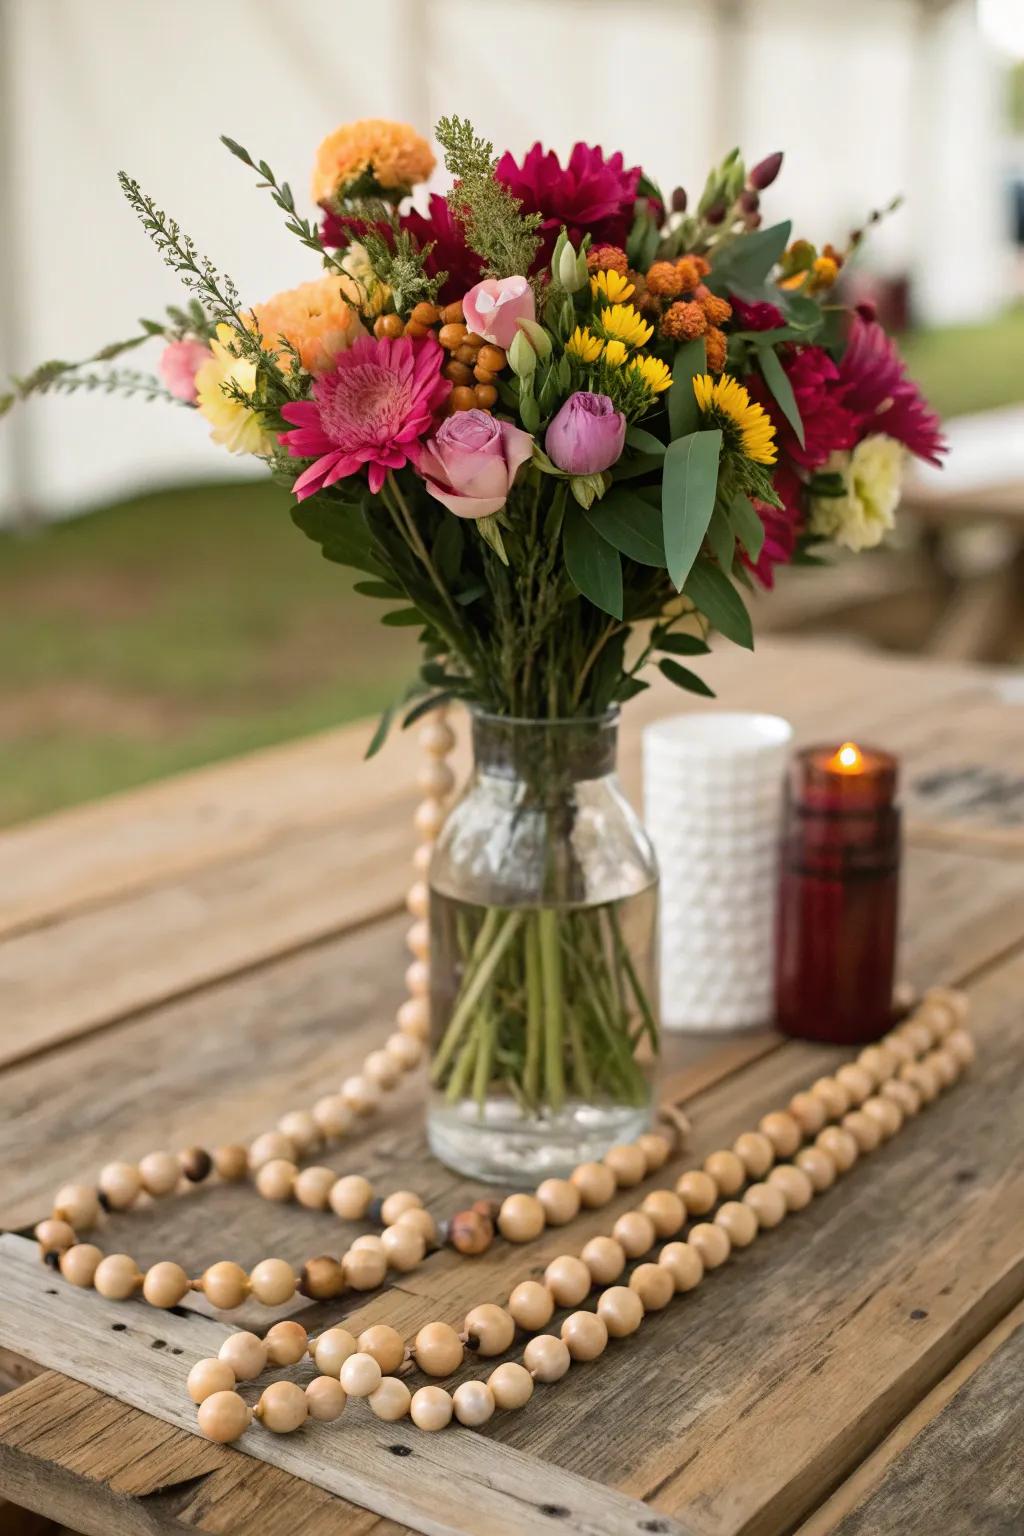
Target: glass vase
{"x": 543, "y": 931}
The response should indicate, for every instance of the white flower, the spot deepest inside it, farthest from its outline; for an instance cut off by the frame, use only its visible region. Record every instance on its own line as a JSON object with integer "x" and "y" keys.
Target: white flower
{"x": 356, "y": 264}
{"x": 863, "y": 514}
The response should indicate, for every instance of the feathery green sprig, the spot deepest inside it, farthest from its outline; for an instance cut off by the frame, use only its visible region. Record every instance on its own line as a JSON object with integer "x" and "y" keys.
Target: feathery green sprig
{"x": 495, "y": 227}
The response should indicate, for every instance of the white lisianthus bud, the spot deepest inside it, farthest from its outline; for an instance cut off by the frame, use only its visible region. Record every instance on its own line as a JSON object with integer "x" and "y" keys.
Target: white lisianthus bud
{"x": 522, "y": 359}
{"x": 568, "y": 269}
{"x": 539, "y": 339}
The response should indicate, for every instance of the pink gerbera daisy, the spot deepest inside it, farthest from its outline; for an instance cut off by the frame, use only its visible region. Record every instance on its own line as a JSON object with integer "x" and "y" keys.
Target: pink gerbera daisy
{"x": 380, "y": 398}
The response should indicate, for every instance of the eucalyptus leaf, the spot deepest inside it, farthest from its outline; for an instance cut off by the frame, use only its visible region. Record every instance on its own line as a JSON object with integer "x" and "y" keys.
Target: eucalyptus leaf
{"x": 721, "y": 538}
{"x": 684, "y": 678}
{"x": 403, "y": 618}
{"x": 594, "y": 567}
{"x": 424, "y": 707}
{"x": 682, "y": 645}
{"x": 340, "y": 529}
{"x": 746, "y": 524}
{"x": 714, "y": 595}
{"x": 377, "y": 589}
{"x": 778, "y": 383}
{"x": 745, "y": 263}
{"x": 645, "y": 442}
{"x": 630, "y": 525}
{"x": 688, "y": 492}
{"x": 689, "y": 361}
{"x": 447, "y": 551}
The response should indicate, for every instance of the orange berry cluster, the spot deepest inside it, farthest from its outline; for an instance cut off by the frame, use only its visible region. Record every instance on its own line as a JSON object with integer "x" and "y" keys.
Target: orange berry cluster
{"x": 692, "y": 309}
{"x": 473, "y": 364}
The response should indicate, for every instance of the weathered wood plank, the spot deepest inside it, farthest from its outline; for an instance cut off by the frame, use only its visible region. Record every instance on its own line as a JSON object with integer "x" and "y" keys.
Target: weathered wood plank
{"x": 104, "y": 1468}
{"x": 954, "y": 1463}
{"x": 457, "y": 1484}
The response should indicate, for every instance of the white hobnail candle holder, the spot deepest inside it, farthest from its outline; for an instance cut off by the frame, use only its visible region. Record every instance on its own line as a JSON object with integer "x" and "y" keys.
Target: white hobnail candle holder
{"x": 713, "y": 792}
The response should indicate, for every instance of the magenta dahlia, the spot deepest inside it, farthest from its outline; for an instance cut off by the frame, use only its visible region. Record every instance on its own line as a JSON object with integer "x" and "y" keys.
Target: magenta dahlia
{"x": 781, "y": 526}
{"x": 441, "y": 230}
{"x": 876, "y": 387}
{"x": 375, "y": 405}
{"x": 820, "y": 395}
{"x": 589, "y": 195}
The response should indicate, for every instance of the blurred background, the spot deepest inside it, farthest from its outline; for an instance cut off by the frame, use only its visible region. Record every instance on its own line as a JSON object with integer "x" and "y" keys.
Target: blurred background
{"x": 157, "y": 608}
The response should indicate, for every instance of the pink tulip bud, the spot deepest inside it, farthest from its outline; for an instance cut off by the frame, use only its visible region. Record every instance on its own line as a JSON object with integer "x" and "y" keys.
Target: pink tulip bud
{"x": 765, "y": 171}
{"x": 587, "y": 435}
{"x": 494, "y": 307}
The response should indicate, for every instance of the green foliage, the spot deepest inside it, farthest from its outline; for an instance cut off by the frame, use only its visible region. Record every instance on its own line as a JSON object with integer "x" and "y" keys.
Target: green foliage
{"x": 688, "y": 495}
{"x": 777, "y": 381}
{"x": 594, "y": 566}
{"x": 689, "y": 361}
{"x": 495, "y": 228}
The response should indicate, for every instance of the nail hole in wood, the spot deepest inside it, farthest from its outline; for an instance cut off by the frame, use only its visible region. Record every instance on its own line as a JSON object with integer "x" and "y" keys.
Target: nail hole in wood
{"x": 917, "y": 1314}
{"x": 51, "y": 1292}
{"x": 158, "y": 1344}
{"x": 555, "y": 1511}
{"x": 400, "y": 1450}
{"x": 118, "y": 1327}
{"x": 653, "y": 1525}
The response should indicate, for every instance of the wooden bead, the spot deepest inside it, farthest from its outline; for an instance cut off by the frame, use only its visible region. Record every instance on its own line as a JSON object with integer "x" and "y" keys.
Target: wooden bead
{"x": 511, "y": 1385}
{"x": 490, "y": 357}
{"x": 438, "y": 1349}
{"x": 654, "y": 1284}
{"x": 473, "y": 1402}
{"x": 421, "y": 1222}
{"x": 322, "y": 1278}
{"x": 490, "y": 1329}
{"x": 117, "y": 1277}
{"x": 584, "y": 1335}
{"x": 245, "y": 1353}
{"x": 350, "y": 1196}
{"x": 332, "y": 1115}
{"x": 223, "y": 1417}
{"x": 954, "y": 1000}
{"x": 886, "y": 1114}
{"x": 958, "y": 1041}
{"x": 54, "y": 1236}
{"x": 207, "y": 1377}
{"x": 312, "y": 1187}
{"x": 404, "y": 1248}
{"x": 657, "y": 1150}
{"x": 360, "y": 1375}
{"x": 78, "y": 1205}
{"x": 414, "y": 1017}
{"x": 684, "y": 1264}
{"x": 364, "y": 1269}
{"x": 417, "y": 941}
{"x": 898, "y": 1049}
{"x": 922, "y": 1077}
{"x": 547, "y": 1358}
{"x": 195, "y": 1163}
{"x": 272, "y": 1282}
{"x": 839, "y": 1145}
{"x": 698, "y": 1192}
{"x": 417, "y": 978}
{"x": 120, "y": 1184}
{"x": 394, "y": 1204}
{"x": 430, "y": 814}
{"x": 711, "y": 1243}
{"x": 417, "y": 899}
{"x": 431, "y": 1408}
{"x": 270, "y": 1147}
{"x": 635, "y": 1233}
{"x": 434, "y": 777}
{"x": 917, "y": 1035}
{"x": 300, "y": 1128}
{"x": 421, "y": 857}
{"x": 283, "y": 1407}
{"x": 833, "y": 1095}
{"x": 665, "y": 1210}
{"x": 595, "y": 1182}
{"x": 878, "y": 1061}
{"x": 325, "y": 1399}
{"x": 286, "y": 1343}
{"x": 361, "y": 1097}
{"x": 768, "y": 1204}
{"x": 605, "y": 1258}
{"x": 521, "y": 1218}
{"x": 865, "y": 1131}
{"x": 531, "y": 1305}
{"x": 385, "y": 1344}
{"x": 276, "y": 1180}
{"x": 165, "y": 1284}
{"x": 332, "y": 1349}
{"x": 159, "y": 1172}
{"x": 738, "y": 1221}
{"x": 858, "y": 1082}
{"x": 796, "y": 1186}
{"x": 782, "y": 1131}
{"x": 627, "y": 1163}
{"x": 568, "y": 1280}
{"x": 904, "y": 1095}
{"x": 945, "y": 1065}
{"x": 560, "y": 1200}
{"x": 809, "y": 1112}
{"x": 755, "y": 1152}
{"x": 405, "y": 1051}
{"x": 78, "y": 1265}
{"x": 621, "y": 1310}
{"x": 727, "y": 1171}
{"x": 470, "y": 1232}
{"x": 390, "y": 1401}
{"x": 818, "y": 1166}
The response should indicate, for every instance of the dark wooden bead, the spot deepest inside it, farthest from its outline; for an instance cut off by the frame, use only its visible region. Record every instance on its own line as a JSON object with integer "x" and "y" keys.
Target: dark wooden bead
{"x": 471, "y": 1231}
{"x": 196, "y": 1164}
{"x": 321, "y": 1278}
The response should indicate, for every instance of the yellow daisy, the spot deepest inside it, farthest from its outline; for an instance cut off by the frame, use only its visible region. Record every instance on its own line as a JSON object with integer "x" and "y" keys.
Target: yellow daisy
{"x": 624, "y": 323}
{"x": 236, "y": 426}
{"x": 652, "y": 372}
{"x": 584, "y": 345}
{"x": 611, "y": 287}
{"x": 615, "y": 353}
{"x": 727, "y": 401}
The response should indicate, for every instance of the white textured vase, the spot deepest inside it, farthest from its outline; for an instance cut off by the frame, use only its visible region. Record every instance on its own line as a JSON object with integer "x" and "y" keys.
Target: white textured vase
{"x": 713, "y": 789}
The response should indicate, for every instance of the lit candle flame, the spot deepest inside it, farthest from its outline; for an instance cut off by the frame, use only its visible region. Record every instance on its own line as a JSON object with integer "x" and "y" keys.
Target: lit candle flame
{"x": 848, "y": 759}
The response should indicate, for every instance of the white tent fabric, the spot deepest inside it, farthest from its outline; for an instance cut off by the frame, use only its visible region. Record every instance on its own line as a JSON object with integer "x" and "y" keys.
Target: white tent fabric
{"x": 867, "y": 100}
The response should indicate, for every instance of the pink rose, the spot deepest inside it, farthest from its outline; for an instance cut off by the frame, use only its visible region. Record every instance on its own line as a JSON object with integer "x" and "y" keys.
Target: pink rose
{"x": 587, "y": 434}
{"x": 471, "y": 461}
{"x": 179, "y": 363}
{"x": 494, "y": 307}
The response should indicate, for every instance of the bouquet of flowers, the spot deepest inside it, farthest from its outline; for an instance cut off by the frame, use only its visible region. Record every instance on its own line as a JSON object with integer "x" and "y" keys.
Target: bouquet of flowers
{"x": 558, "y": 422}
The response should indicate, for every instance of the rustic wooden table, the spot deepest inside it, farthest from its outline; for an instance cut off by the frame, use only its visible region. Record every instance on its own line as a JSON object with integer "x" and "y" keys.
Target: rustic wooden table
{"x": 180, "y": 964}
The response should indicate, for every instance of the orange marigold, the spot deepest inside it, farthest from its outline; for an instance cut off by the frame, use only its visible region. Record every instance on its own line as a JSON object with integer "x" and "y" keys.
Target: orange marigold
{"x": 717, "y": 310}
{"x": 393, "y": 155}
{"x": 607, "y": 258}
{"x": 643, "y": 299}
{"x": 665, "y": 278}
{"x": 684, "y": 321}
{"x": 688, "y": 274}
{"x": 714, "y": 347}
{"x": 314, "y": 318}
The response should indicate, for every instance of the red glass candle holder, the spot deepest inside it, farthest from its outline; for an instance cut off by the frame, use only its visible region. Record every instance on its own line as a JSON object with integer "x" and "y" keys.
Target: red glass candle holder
{"x": 839, "y": 896}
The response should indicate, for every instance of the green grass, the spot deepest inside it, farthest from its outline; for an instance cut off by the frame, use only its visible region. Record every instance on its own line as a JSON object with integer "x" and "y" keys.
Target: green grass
{"x": 969, "y": 367}
{"x": 169, "y": 631}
